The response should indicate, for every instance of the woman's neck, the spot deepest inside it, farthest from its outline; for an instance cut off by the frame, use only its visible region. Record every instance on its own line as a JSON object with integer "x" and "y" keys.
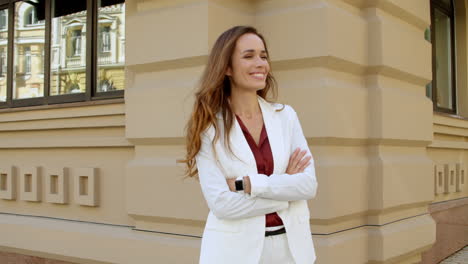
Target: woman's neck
{"x": 245, "y": 104}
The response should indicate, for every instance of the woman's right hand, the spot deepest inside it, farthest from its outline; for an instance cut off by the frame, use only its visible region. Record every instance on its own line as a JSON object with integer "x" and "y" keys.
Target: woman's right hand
{"x": 297, "y": 161}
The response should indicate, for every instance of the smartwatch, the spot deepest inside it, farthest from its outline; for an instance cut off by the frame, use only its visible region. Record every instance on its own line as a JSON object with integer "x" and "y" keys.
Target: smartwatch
{"x": 239, "y": 185}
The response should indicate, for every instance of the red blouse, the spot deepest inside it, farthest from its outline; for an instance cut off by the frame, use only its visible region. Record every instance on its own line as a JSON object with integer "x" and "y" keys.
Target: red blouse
{"x": 264, "y": 160}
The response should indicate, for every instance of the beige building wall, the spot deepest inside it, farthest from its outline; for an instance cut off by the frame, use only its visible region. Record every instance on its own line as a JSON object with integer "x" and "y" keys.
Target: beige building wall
{"x": 449, "y": 152}
{"x": 103, "y": 182}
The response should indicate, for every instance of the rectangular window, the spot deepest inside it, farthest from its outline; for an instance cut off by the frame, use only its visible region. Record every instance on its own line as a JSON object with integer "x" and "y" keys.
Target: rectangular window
{"x": 76, "y": 42}
{"x": 62, "y": 51}
{"x": 105, "y": 39}
{"x": 443, "y": 56}
{"x": 27, "y": 82}
{"x": 31, "y": 17}
{"x": 68, "y": 53}
{"x": 3, "y": 62}
{"x": 111, "y": 58}
{"x": 3, "y": 19}
{"x": 27, "y": 60}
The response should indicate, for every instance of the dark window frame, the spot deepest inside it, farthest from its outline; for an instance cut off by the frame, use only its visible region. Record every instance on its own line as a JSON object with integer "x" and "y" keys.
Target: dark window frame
{"x": 92, "y": 49}
{"x": 449, "y": 11}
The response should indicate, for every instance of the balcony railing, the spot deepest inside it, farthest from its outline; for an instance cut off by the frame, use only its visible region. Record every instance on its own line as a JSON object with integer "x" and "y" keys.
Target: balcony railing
{"x": 104, "y": 59}
{"x": 74, "y": 62}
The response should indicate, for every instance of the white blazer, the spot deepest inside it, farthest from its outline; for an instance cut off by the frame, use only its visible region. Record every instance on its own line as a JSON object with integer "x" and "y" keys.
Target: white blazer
{"x": 235, "y": 227}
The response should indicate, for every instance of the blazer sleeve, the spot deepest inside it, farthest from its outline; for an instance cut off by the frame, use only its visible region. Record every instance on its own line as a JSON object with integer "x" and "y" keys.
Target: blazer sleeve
{"x": 286, "y": 187}
{"x": 223, "y": 203}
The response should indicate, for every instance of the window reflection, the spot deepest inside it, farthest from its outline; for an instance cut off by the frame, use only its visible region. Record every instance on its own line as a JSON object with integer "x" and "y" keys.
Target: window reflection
{"x": 68, "y": 47}
{"x": 3, "y": 62}
{"x": 105, "y": 39}
{"x": 3, "y": 19}
{"x": 28, "y": 77}
{"x": 67, "y": 50}
{"x": 3, "y": 53}
{"x": 30, "y": 16}
{"x": 27, "y": 60}
{"x": 111, "y": 45}
{"x": 76, "y": 42}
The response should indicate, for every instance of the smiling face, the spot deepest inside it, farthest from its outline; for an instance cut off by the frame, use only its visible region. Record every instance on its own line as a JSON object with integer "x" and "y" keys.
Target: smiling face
{"x": 249, "y": 64}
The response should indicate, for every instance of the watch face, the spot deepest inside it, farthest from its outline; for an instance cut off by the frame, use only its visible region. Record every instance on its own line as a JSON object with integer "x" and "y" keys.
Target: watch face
{"x": 239, "y": 185}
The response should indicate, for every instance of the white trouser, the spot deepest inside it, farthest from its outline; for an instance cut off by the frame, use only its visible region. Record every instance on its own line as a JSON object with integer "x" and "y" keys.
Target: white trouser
{"x": 276, "y": 250}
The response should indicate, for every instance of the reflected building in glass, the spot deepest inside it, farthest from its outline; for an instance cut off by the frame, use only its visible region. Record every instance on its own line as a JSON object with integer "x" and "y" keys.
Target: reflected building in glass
{"x": 110, "y": 47}
{"x": 68, "y": 49}
{"x": 3, "y": 53}
{"x": 28, "y": 70}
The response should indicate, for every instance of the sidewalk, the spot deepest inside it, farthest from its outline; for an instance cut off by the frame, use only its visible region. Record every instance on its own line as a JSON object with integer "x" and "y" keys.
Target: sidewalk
{"x": 461, "y": 257}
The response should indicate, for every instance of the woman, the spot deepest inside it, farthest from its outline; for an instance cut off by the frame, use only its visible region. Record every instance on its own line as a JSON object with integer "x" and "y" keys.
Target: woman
{"x": 254, "y": 165}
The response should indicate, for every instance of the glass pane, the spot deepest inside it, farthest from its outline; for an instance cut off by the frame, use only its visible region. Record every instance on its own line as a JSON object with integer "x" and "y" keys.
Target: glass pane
{"x": 443, "y": 60}
{"x": 447, "y": 2}
{"x": 68, "y": 47}
{"x": 3, "y": 53}
{"x": 111, "y": 46}
{"x": 28, "y": 72}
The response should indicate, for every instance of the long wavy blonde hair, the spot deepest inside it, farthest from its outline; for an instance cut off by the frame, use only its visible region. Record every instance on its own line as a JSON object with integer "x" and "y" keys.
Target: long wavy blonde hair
{"x": 213, "y": 92}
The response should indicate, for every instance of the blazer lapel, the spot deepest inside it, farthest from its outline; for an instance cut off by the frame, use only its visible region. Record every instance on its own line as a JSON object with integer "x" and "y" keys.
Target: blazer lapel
{"x": 275, "y": 135}
{"x": 241, "y": 148}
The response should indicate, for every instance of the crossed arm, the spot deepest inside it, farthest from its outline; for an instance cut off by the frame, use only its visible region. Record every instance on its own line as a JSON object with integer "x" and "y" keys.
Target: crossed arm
{"x": 297, "y": 164}
{"x": 264, "y": 194}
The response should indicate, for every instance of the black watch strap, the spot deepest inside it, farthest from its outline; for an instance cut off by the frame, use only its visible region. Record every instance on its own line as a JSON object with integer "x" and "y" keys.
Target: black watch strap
{"x": 239, "y": 185}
